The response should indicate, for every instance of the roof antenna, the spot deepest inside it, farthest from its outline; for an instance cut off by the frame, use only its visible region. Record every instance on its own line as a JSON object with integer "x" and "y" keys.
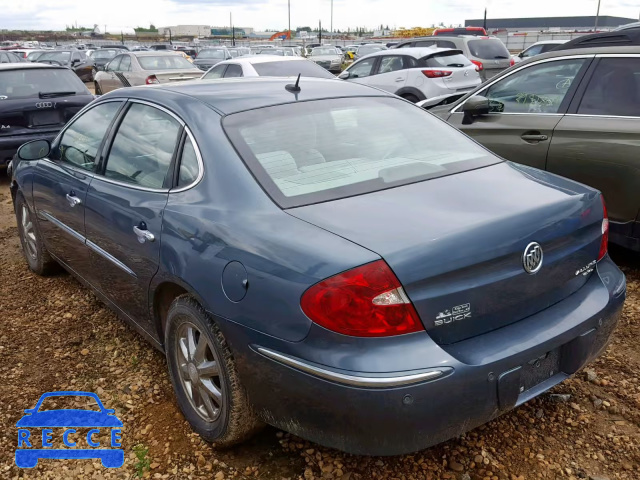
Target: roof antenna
{"x": 294, "y": 88}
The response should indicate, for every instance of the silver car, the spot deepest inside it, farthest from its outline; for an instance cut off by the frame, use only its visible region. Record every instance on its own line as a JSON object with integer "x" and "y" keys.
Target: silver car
{"x": 130, "y": 69}
{"x": 327, "y": 57}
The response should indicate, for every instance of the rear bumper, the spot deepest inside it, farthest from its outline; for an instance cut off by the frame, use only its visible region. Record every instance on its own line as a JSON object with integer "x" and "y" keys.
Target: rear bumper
{"x": 9, "y": 145}
{"x": 480, "y": 378}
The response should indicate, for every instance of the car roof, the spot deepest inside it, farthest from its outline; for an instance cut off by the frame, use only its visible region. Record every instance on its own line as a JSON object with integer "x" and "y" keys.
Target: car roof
{"x": 252, "y": 59}
{"x": 154, "y": 53}
{"x": 30, "y": 66}
{"x": 583, "y": 51}
{"x": 548, "y": 42}
{"x": 416, "y": 52}
{"x": 237, "y": 94}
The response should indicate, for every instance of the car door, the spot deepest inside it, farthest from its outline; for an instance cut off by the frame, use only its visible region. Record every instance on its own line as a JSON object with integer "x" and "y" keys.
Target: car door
{"x": 390, "y": 73}
{"x": 61, "y": 181}
{"x": 124, "y": 206}
{"x": 233, "y": 71}
{"x": 123, "y": 71}
{"x": 109, "y": 80}
{"x": 525, "y": 107}
{"x": 361, "y": 71}
{"x": 598, "y": 141}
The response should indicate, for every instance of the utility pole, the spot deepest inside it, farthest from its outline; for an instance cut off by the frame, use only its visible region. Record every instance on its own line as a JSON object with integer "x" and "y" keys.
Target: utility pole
{"x": 484, "y": 25}
{"x": 597, "y": 15}
{"x": 320, "y": 32}
{"x": 332, "y": 18}
{"x": 289, "y": 10}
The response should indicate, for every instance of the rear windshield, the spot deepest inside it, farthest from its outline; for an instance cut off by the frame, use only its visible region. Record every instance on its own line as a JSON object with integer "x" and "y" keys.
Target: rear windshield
{"x": 488, "y": 49}
{"x": 447, "y": 59}
{"x": 165, "y": 62}
{"x": 99, "y": 54}
{"x": 212, "y": 54}
{"x": 291, "y": 68}
{"x": 60, "y": 57}
{"x": 315, "y": 151}
{"x": 29, "y": 83}
{"x": 367, "y": 49}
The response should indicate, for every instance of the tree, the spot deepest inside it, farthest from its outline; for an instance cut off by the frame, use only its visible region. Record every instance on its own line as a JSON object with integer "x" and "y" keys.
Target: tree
{"x": 303, "y": 29}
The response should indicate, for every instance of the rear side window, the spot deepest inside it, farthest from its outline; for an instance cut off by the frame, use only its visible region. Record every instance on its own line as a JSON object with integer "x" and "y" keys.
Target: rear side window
{"x": 36, "y": 82}
{"x": 188, "y": 164}
{"x": 445, "y": 44}
{"x": 125, "y": 64}
{"x": 80, "y": 142}
{"x": 488, "y": 49}
{"x": 447, "y": 59}
{"x": 308, "y": 152}
{"x": 614, "y": 89}
{"x": 306, "y": 68}
{"x": 143, "y": 148}
{"x": 390, "y": 64}
{"x": 425, "y": 43}
{"x": 233, "y": 70}
{"x": 215, "y": 72}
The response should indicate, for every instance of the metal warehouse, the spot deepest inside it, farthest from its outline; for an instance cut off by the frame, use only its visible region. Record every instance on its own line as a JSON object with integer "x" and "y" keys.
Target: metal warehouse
{"x": 550, "y": 23}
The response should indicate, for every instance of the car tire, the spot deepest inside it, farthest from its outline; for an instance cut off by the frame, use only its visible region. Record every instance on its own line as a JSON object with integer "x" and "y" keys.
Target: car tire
{"x": 96, "y": 88}
{"x": 226, "y": 418}
{"x": 33, "y": 248}
{"x": 410, "y": 97}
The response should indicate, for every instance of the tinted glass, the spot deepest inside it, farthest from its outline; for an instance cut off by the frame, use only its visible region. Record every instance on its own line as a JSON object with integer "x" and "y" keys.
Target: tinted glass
{"x": 59, "y": 57}
{"x": 104, "y": 54}
{"x": 447, "y": 59}
{"x": 445, "y": 44}
{"x": 322, "y": 150}
{"x": 114, "y": 64}
{"x": 205, "y": 54}
{"x": 29, "y": 83}
{"x": 362, "y": 69}
{"x": 614, "y": 88}
{"x": 390, "y": 64}
{"x": 14, "y": 57}
{"x": 4, "y": 58}
{"x": 425, "y": 43}
{"x": 215, "y": 72}
{"x": 532, "y": 51}
{"x": 80, "y": 142}
{"x": 33, "y": 56}
{"x": 323, "y": 51}
{"x": 143, "y": 147}
{"x": 125, "y": 64}
{"x": 537, "y": 89}
{"x": 188, "y": 164}
{"x": 165, "y": 62}
{"x": 291, "y": 68}
{"x": 233, "y": 70}
{"x": 367, "y": 49}
{"x": 488, "y": 49}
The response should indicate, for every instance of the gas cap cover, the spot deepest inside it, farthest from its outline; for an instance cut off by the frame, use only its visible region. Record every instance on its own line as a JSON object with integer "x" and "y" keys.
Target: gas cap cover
{"x": 235, "y": 282}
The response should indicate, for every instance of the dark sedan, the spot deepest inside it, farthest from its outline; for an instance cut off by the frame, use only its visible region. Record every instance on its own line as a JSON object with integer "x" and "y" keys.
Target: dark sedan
{"x": 103, "y": 56}
{"x": 209, "y": 57}
{"x": 35, "y": 102}
{"x": 303, "y": 260}
{"x": 76, "y": 60}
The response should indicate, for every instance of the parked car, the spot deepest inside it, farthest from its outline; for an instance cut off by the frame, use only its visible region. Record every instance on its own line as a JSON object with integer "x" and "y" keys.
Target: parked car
{"x": 409, "y": 269}
{"x": 33, "y": 55}
{"x": 575, "y": 113}
{"x": 209, "y": 57}
{"x": 327, "y": 57}
{"x": 266, "y": 66}
{"x": 454, "y": 32}
{"x": 103, "y": 56}
{"x": 280, "y": 52}
{"x": 22, "y": 53}
{"x": 76, "y": 60}
{"x": 35, "y": 102}
{"x": 116, "y": 45}
{"x": 627, "y": 26}
{"x": 489, "y": 54}
{"x": 238, "y": 51}
{"x": 140, "y": 48}
{"x": 537, "y": 49}
{"x": 364, "y": 50}
{"x": 144, "y": 68}
{"x": 10, "y": 57}
{"x": 415, "y": 73}
{"x": 622, "y": 38}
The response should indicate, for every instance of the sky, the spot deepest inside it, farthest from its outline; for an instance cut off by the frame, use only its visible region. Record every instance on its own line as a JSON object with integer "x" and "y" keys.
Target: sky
{"x": 272, "y": 14}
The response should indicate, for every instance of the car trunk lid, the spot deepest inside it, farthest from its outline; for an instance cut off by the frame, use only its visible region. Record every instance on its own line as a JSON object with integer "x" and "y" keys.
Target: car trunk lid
{"x": 456, "y": 243}
{"x": 168, "y": 76}
{"x": 26, "y": 116}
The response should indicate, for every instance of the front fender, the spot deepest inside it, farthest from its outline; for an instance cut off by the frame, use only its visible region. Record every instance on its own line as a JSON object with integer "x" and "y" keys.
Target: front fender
{"x": 22, "y": 179}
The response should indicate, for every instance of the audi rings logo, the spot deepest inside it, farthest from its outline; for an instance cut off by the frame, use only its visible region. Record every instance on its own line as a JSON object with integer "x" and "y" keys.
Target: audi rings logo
{"x": 44, "y": 105}
{"x": 532, "y": 258}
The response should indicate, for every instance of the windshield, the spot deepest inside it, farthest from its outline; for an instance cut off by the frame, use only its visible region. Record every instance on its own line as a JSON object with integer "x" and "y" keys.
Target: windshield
{"x": 29, "y": 83}
{"x": 33, "y": 56}
{"x": 323, "y": 51}
{"x": 212, "y": 54}
{"x": 488, "y": 49}
{"x": 315, "y": 151}
{"x": 62, "y": 57}
{"x": 104, "y": 54}
{"x": 292, "y": 68}
{"x": 271, "y": 51}
{"x": 236, "y": 52}
{"x": 165, "y": 62}
{"x": 367, "y": 49}
{"x": 447, "y": 59}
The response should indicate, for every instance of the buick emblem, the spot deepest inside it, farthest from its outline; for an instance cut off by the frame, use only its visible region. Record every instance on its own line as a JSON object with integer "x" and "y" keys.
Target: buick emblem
{"x": 532, "y": 258}
{"x": 44, "y": 105}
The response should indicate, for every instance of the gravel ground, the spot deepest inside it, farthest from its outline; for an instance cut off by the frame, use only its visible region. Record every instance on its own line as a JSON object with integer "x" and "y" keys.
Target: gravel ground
{"x": 55, "y": 335}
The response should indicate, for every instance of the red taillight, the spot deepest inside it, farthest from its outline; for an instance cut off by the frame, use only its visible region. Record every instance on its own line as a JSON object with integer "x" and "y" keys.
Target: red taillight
{"x": 479, "y": 66}
{"x": 436, "y": 73}
{"x": 151, "y": 80}
{"x": 604, "y": 242}
{"x": 512, "y": 62}
{"x": 366, "y": 301}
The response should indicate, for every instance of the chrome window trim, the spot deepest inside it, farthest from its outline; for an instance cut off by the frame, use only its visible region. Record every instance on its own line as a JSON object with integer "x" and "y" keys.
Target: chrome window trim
{"x": 517, "y": 70}
{"x": 617, "y": 55}
{"x": 109, "y": 257}
{"x": 601, "y": 116}
{"x": 65, "y": 228}
{"x": 352, "y": 380}
{"x": 69, "y": 166}
{"x": 129, "y": 185}
{"x": 200, "y": 164}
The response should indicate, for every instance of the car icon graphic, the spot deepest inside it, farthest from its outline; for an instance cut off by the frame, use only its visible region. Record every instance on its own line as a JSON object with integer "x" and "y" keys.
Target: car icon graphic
{"x": 69, "y": 420}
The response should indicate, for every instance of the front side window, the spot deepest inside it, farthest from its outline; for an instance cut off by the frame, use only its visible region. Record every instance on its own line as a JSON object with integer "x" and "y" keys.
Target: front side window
{"x": 537, "y": 89}
{"x": 143, "y": 147}
{"x": 233, "y": 70}
{"x": 363, "y": 68}
{"x": 614, "y": 89}
{"x": 215, "y": 72}
{"x": 532, "y": 51}
{"x": 114, "y": 65}
{"x": 390, "y": 64}
{"x": 80, "y": 142}
{"x": 125, "y": 64}
{"x": 309, "y": 152}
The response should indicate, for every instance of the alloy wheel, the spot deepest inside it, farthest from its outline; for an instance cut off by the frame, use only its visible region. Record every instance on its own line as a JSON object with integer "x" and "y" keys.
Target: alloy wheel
{"x": 199, "y": 371}
{"x": 29, "y": 233}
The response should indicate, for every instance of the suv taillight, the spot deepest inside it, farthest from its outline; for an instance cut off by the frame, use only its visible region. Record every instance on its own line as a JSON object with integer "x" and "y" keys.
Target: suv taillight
{"x": 151, "y": 80}
{"x": 512, "y": 62}
{"x": 604, "y": 241}
{"x": 436, "y": 73}
{"x": 366, "y": 301}
{"x": 479, "y": 66}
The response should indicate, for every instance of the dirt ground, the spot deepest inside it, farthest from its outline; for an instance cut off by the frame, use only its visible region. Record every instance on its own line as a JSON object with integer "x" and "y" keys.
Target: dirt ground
{"x": 55, "y": 335}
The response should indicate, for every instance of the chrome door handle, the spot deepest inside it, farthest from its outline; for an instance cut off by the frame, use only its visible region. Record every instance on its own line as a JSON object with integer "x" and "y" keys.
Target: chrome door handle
{"x": 399, "y": 79}
{"x": 73, "y": 200}
{"x": 534, "y": 138}
{"x": 144, "y": 235}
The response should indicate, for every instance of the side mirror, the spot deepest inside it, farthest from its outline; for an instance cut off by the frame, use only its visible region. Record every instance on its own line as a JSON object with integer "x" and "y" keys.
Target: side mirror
{"x": 344, "y": 75}
{"x": 34, "y": 150}
{"x": 521, "y": 54}
{"x": 474, "y": 107}
{"x": 75, "y": 61}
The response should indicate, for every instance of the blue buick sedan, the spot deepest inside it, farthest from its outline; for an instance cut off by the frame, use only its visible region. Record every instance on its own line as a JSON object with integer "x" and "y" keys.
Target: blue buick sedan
{"x": 323, "y": 257}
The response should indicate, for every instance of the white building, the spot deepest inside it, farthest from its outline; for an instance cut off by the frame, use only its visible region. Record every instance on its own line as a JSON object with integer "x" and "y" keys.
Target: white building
{"x": 186, "y": 31}
{"x": 113, "y": 30}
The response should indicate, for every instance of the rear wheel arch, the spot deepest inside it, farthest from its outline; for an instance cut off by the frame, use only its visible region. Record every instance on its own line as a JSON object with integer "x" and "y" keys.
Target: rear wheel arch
{"x": 411, "y": 92}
